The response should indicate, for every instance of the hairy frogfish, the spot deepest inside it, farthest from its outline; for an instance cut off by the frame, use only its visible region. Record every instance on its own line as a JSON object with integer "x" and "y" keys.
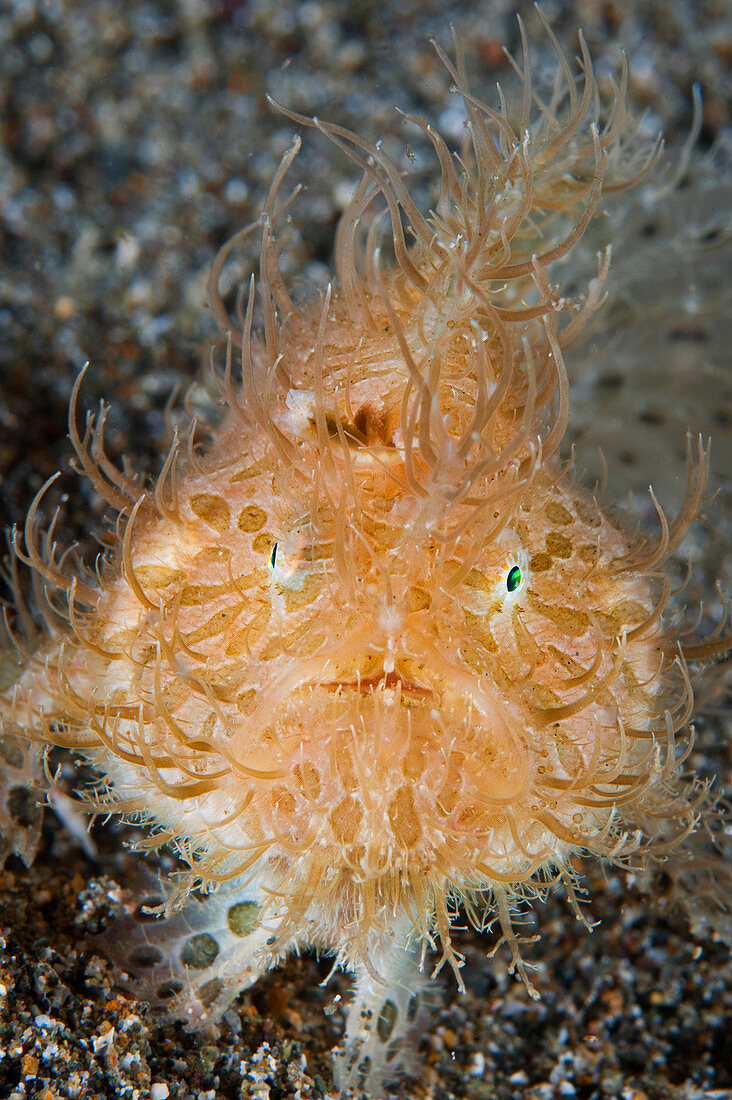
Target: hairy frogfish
{"x": 375, "y": 657}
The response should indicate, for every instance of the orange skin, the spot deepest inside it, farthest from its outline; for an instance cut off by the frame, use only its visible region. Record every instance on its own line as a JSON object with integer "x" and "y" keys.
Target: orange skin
{"x": 376, "y": 651}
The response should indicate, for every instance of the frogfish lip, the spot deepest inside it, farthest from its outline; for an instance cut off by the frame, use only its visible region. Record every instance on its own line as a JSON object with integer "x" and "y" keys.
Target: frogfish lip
{"x": 390, "y": 681}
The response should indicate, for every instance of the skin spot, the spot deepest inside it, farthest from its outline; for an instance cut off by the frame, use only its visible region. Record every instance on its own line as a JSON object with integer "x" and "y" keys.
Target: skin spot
{"x": 476, "y": 579}
{"x": 559, "y": 546}
{"x": 192, "y": 595}
{"x": 394, "y": 1049}
{"x": 387, "y": 1019}
{"x": 558, "y": 514}
{"x": 477, "y": 627}
{"x": 212, "y": 509}
{"x": 147, "y": 654}
{"x": 626, "y": 614}
{"x": 12, "y": 754}
{"x": 251, "y": 635}
{"x": 414, "y": 762}
{"x": 453, "y": 785}
{"x": 364, "y": 1067}
{"x": 246, "y": 703}
{"x": 345, "y": 770}
{"x": 567, "y": 662}
{"x": 570, "y": 621}
{"x": 199, "y": 952}
{"x": 418, "y": 599}
{"x": 356, "y": 854}
{"x": 210, "y": 992}
{"x": 263, "y": 543}
{"x": 251, "y": 518}
{"x": 474, "y": 658}
{"x": 22, "y": 807}
{"x": 588, "y": 511}
{"x": 272, "y": 649}
{"x": 407, "y": 668}
{"x": 284, "y": 801}
{"x": 540, "y": 563}
{"x": 345, "y": 820}
{"x": 569, "y": 757}
{"x": 146, "y": 957}
{"x": 255, "y": 470}
{"x": 470, "y": 818}
{"x": 296, "y": 598}
{"x": 156, "y": 576}
{"x": 211, "y": 555}
{"x": 403, "y": 817}
{"x": 243, "y": 918}
{"x": 308, "y": 779}
{"x": 222, "y": 621}
{"x": 168, "y": 990}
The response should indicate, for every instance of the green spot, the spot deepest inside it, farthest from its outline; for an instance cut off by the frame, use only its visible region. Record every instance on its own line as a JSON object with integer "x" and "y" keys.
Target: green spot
{"x": 23, "y": 808}
{"x": 199, "y": 952}
{"x": 386, "y": 1021}
{"x": 514, "y": 578}
{"x": 12, "y": 754}
{"x": 243, "y": 918}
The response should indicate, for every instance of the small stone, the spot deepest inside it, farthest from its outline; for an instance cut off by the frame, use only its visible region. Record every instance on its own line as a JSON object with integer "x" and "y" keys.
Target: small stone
{"x": 30, "y": 1065}
{"x": 477, "y": 1065}
{"x": 64, "y": 308}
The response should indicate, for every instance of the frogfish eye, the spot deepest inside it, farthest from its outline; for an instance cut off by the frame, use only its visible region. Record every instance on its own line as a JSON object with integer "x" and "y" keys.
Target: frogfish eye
{"x": 273, "y": 556}
{"x": 514, "y": 578}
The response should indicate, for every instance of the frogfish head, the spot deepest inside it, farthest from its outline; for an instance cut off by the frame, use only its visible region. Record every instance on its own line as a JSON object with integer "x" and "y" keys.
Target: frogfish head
{"x": 439, "y": 665}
